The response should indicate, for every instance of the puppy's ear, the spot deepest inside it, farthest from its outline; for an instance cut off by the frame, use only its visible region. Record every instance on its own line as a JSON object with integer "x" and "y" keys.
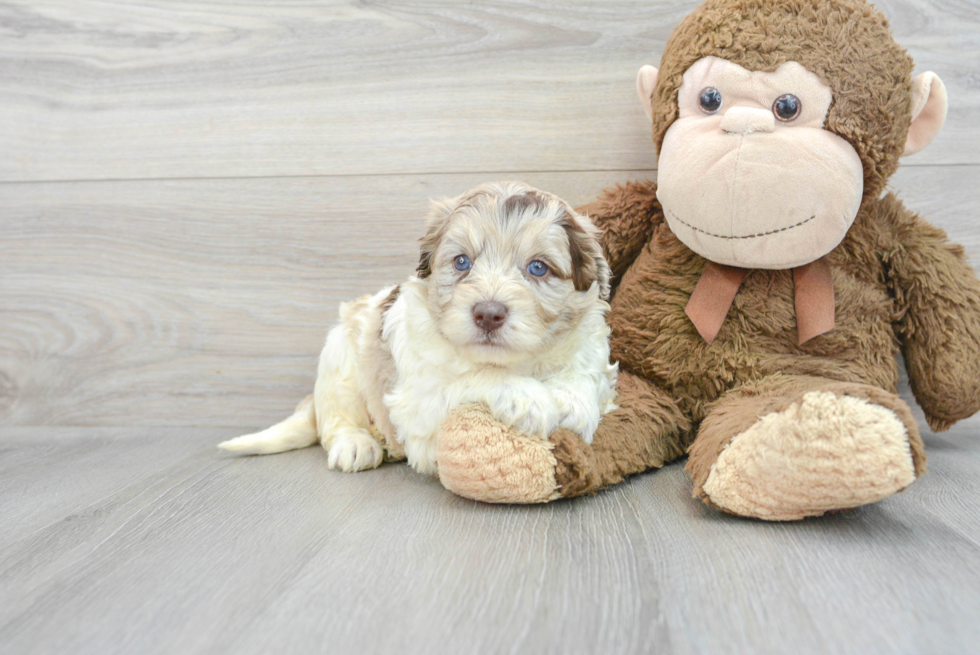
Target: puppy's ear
{"x": 588, "y": 263}
{"x": 435, "y": 228}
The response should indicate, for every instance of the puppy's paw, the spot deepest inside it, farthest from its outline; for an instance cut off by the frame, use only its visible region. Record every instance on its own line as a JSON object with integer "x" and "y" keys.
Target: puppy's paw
{"x": 527, "y": 406}
{"x": 354, "y": 452}
{"x": 578, "y": 414}
{"x": 540, "y": 420}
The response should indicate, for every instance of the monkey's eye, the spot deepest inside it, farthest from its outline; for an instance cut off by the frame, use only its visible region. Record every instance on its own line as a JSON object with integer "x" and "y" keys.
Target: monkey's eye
{"x": 462, "y": 263}
{"x": 787, "y": 107}
{"x": 709, "y": 100}
{"x": 537, "y": 268}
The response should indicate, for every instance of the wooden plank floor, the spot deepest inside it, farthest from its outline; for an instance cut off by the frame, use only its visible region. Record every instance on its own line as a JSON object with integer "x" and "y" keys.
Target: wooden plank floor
{"x": 188, "y": 189}
{"x": 148, "y": 541}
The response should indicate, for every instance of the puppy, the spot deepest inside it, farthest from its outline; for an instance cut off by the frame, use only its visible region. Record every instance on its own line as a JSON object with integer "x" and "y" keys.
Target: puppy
{"x": 507, "y": 308}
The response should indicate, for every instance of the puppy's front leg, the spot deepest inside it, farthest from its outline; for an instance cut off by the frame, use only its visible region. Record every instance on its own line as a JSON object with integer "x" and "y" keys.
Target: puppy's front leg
{"x": 520, "y": 402}
{"x": 579, "y": 404}
{"x": 343, "y": 423}
{"x": 417, "y": 413}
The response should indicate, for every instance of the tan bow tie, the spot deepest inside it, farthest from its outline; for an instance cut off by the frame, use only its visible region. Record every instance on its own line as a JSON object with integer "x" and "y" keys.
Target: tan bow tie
{"x": 715, "y": 291}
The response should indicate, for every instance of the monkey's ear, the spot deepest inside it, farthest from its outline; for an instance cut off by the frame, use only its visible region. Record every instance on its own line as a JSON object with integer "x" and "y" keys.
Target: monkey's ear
{"x": 928, "y": 111}
{"x": 646, "y": 80}
{"x": 435, "y": 227}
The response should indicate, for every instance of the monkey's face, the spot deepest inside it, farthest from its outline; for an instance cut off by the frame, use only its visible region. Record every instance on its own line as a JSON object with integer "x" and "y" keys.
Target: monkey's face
{"x": 748, "y": 176}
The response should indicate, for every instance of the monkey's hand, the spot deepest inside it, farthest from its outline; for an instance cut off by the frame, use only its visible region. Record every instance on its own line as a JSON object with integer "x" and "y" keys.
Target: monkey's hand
{"x": 938, "y": 299}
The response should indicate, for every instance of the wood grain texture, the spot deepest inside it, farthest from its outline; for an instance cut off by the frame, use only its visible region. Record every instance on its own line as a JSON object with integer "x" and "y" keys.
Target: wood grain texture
{"x": 95, "y": 89}
{"x": 206, "y": 302}
{"x": 150, "y": 541}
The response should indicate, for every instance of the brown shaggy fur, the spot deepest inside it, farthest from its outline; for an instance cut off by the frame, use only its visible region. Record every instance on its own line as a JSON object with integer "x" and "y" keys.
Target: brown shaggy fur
{"x": 900, "y": 285}
{"x": 647, "y": 434}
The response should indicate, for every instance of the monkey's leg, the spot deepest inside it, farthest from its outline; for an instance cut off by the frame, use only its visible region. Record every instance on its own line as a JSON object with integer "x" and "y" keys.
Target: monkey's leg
{"x": 481, "y": 459}
{"x": 786, "y": 447}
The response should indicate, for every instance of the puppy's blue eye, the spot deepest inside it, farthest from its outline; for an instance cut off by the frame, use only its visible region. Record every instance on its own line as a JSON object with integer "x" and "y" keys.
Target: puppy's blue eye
{"x": 462, "y": 263}
{"x": 537, "y": 268}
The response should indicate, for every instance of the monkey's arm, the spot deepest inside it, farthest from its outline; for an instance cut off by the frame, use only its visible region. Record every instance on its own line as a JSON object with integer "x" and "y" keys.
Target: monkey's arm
{"x": 627, "y": 215}
{"x": 480, "y": 458}
{"x": 937, "y": 295}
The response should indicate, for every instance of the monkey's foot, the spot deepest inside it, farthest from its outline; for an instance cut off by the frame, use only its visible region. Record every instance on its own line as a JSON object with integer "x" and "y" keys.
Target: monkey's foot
{"x": 825, "y": 452}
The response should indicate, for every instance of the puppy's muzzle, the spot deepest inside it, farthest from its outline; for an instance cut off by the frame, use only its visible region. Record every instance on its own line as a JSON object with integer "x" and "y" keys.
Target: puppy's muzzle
{"x": 489, "y": 316}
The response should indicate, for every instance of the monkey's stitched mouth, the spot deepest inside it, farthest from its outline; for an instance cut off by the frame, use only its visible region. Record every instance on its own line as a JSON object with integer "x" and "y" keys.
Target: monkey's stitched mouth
{"x": 746, "y": 236}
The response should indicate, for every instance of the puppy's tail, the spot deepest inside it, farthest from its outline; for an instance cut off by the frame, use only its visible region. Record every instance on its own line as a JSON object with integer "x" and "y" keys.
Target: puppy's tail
{"x": 297, "y": 431}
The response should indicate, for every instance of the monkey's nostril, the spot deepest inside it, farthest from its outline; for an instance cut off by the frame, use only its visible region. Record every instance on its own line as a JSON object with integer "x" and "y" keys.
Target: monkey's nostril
{"x": 489, "y": 315}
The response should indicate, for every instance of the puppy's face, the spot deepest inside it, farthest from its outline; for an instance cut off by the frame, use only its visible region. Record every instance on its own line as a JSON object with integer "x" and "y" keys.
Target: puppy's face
{"x": 510, "y": 270}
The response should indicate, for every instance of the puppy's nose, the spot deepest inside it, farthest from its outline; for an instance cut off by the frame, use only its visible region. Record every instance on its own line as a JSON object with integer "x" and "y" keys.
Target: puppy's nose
{"x": 489, "y": 315}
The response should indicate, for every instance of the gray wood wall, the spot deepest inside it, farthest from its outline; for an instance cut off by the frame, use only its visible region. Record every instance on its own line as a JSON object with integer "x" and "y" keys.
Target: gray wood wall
{"x": 188, "y": 189}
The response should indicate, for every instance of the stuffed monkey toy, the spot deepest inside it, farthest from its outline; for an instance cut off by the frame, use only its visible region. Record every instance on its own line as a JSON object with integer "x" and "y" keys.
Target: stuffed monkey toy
{"x": 765, "y": 285}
